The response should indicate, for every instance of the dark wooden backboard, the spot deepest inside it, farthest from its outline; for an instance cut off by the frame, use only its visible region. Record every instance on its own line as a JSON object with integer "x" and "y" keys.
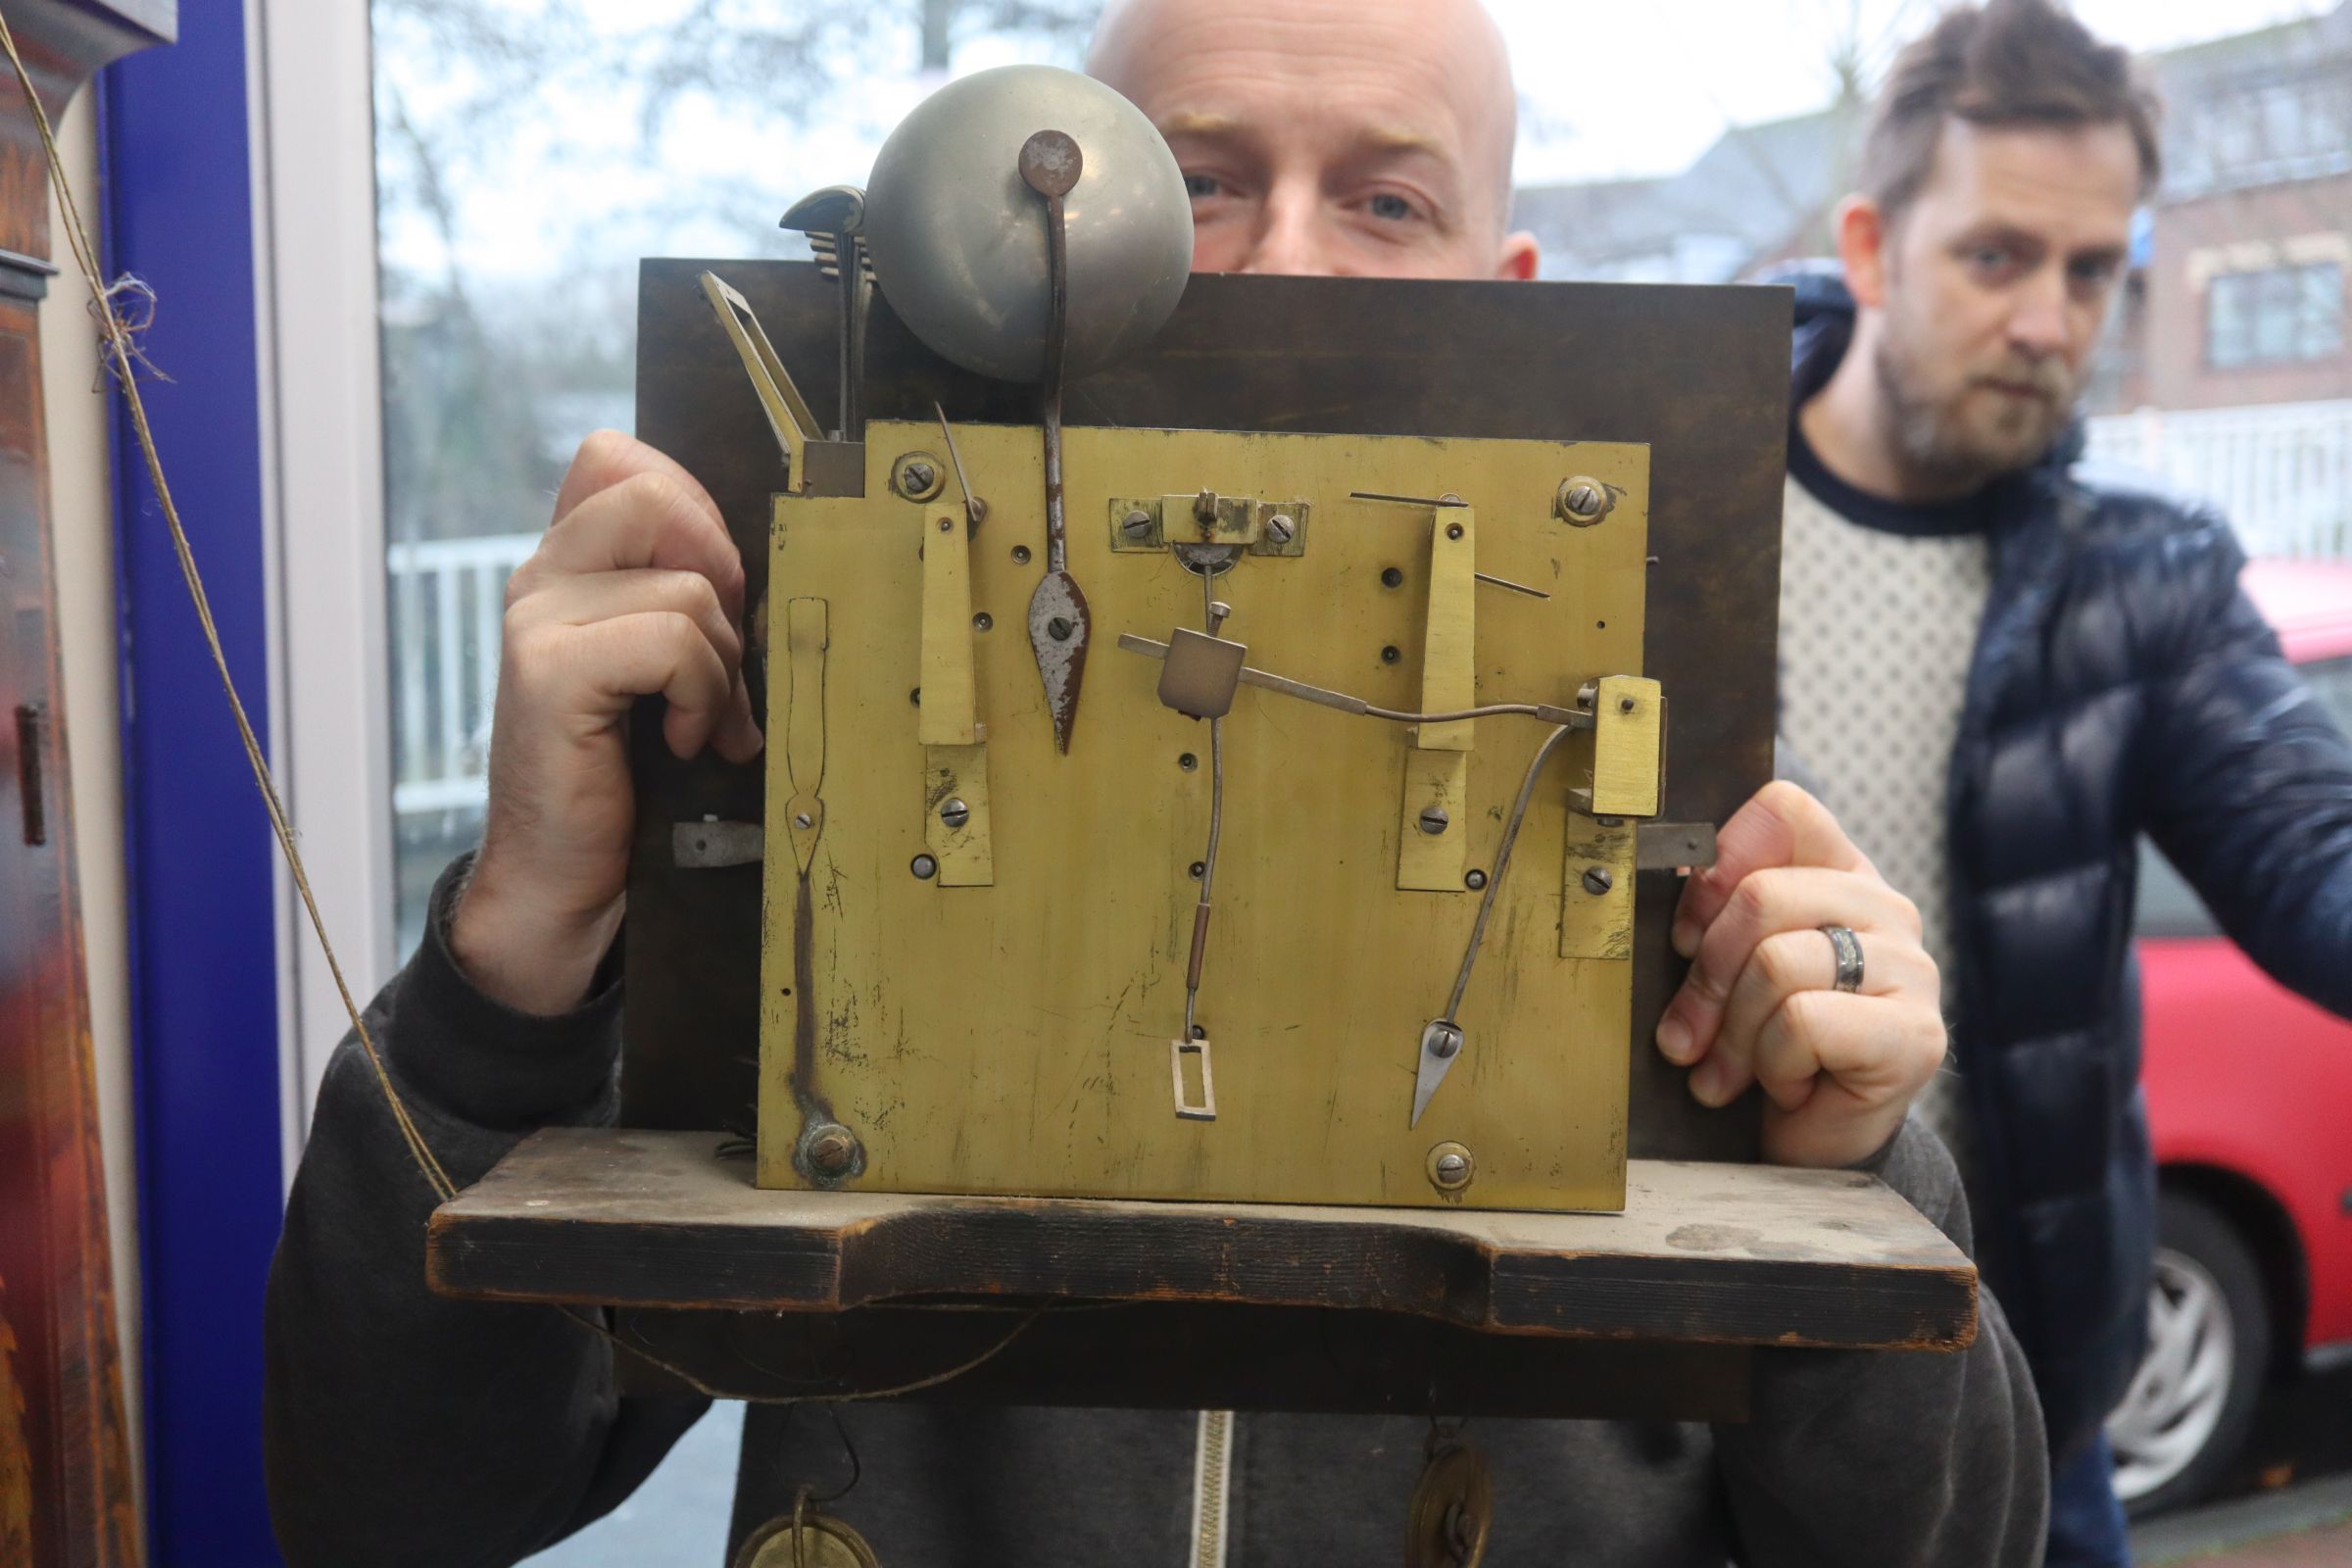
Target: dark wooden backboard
{"x": 1700, "y": 374}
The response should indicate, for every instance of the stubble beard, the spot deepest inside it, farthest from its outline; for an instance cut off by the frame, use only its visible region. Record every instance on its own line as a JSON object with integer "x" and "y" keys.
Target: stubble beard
{"x": 1941, "y": 449}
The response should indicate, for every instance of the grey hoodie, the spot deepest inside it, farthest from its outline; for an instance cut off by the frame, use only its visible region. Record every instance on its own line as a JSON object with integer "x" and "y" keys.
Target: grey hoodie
{"x": 403, "y": 1429}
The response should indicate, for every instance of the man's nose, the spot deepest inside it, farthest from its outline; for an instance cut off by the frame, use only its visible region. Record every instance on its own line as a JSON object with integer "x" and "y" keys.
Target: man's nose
{"x": 2038, "y": 322}
{"x": 1292, "y": 239}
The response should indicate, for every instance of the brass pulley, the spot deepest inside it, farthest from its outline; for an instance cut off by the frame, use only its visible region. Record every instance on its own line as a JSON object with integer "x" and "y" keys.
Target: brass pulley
{"x": 1452, "y": 1509}
{"x": 805, "y": 1538}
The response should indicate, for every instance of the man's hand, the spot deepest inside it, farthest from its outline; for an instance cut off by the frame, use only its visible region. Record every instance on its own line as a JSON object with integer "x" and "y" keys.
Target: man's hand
{"x": 1760, "y": 1005}
{"x": 636, "y": 589}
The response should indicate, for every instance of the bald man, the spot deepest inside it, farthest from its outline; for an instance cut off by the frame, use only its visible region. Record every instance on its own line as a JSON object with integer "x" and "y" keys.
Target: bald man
{"x": 1329, "y": 137}
{"x": 1372, "y": 137}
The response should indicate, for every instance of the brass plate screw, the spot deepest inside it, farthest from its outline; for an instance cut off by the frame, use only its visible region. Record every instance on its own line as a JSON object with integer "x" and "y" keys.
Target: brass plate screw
{"x": 1451, "y": 1168}
{"x": 1583, "y": 502}
{"x": 917, "y": 476}
{"x": 832, "y": 1150}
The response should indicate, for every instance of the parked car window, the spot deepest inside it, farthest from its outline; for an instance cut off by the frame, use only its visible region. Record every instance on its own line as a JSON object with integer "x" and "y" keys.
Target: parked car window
{"x": 2168, "y": 905}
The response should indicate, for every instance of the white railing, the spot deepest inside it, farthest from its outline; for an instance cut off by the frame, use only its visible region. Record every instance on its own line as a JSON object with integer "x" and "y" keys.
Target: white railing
{"x": 2281, "y": 473}
{"x": 446, "y": 599}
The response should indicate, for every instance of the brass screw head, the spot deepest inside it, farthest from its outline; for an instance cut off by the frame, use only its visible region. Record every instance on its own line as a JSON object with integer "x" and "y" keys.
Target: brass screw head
{"x": 1451, "y": 1168}
{"x": 916, "y": 475}
{"x": 832, "y": 1150}
{"x": 1583, "y": 501}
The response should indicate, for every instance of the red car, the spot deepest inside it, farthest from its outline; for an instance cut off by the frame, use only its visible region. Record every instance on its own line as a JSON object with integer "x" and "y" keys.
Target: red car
{"x": 2250, "y": 1102}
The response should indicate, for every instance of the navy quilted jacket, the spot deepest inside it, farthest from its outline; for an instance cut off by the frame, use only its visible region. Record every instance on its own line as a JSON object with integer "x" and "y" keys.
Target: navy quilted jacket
{"x": 2122, "y": 684}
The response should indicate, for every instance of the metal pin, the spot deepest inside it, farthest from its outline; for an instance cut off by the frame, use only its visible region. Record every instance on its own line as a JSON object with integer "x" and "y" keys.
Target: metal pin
{"x": 974, "y": 508}
{"x": 1407, "y": 501}
{"x": 1515, "y": 587}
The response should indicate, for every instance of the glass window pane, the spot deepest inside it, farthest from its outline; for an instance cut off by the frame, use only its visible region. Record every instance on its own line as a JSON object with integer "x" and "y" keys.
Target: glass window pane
{"x": 2322, "y": 310}
{"x": 2226, "y": 327}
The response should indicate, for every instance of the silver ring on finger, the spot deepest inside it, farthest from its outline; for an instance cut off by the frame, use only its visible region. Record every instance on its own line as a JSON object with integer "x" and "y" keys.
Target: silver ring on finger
{"x": 1848, "y": 948}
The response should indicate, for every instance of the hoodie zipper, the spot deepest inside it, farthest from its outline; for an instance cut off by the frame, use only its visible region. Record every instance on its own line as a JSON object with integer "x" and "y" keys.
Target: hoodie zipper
{"x": 1212, "y": 1478}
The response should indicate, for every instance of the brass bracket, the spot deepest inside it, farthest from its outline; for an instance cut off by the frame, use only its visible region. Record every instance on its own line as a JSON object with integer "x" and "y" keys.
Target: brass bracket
{"x": 1433, "y": 834}
{"x": 948, "y": 703}
{"x": 1433, "y": 839}
{"x": 956, "y": 815}
{"x": 1629, "y": 747}
{"x": 956, "y": 826}
{"x": 1596, "y": 888}
{"x": 1146, "y": 524}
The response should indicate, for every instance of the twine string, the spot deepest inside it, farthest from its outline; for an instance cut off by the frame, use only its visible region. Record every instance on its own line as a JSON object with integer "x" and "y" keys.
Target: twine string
{"x": 127, "y": 359}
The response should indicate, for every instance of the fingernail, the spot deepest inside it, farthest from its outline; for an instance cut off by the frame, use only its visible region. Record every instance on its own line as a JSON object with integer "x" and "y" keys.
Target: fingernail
{"x": 1685, "y": 938}
{"x": 1674, "y": 1039}
{"x": 1706, "y": 1082}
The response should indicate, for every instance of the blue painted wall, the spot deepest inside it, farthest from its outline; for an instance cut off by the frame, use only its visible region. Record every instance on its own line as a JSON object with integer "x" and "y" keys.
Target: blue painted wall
{"x": 179, "y": 206}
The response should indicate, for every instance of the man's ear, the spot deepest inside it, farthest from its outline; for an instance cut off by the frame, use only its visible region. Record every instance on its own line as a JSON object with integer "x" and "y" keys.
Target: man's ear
{"x": 1520, "y": 254}
{"x": 1863, "y": 237}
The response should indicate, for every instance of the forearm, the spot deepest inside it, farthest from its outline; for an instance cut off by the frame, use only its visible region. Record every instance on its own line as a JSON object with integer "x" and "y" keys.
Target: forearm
{"x": 400, "y": 1427}
{"x": 1874, "y": 1458}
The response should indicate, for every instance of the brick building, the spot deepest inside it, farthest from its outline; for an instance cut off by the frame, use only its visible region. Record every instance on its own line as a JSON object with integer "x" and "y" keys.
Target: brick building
{"x": 2240, "y": 296}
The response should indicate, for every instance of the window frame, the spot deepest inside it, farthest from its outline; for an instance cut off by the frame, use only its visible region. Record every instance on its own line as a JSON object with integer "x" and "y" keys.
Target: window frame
{"x": 2288, "y": 297}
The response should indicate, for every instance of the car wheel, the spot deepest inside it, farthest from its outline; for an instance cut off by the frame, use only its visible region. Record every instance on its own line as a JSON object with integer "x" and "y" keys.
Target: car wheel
{"x": 2185, "y": 1415}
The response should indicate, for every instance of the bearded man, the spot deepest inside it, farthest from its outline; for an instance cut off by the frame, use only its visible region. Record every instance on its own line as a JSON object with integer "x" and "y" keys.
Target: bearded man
{"x": 1999, "y": 674}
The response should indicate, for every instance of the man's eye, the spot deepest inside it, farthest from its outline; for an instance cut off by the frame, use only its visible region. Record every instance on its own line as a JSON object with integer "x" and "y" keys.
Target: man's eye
{"x": 1198, "y": 186}
{"x": 1989, "y": 258}
{"x": 1391, "y": 206}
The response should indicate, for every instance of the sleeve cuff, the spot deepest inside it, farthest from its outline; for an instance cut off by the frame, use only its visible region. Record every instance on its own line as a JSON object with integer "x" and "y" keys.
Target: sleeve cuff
{"x": 483, "y": 1061}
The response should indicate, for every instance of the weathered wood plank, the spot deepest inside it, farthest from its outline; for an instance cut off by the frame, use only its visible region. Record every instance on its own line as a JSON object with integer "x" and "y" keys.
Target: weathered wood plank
{"x": 1703, "y": 1253}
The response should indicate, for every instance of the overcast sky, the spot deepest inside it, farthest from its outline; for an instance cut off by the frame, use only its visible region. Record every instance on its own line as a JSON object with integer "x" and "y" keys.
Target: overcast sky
{"x": 1653, "y": 85}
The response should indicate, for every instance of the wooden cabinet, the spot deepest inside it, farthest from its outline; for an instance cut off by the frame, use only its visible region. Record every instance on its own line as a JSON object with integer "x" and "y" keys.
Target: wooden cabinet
{"x": 65, "y": 1462}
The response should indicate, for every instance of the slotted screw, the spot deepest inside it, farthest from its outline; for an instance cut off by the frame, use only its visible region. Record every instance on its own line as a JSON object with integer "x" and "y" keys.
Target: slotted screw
{"x": 954, "y": 814}
{"x": 832, "y": 1150}
{"x": 1597, "y": 880}
{"x": 1281, "y": 529}
{"x": 1434, "y": 820}
{"x": 1137, "y": 524}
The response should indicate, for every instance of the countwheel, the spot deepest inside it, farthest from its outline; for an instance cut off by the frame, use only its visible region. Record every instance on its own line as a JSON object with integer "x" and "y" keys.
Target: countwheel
{"x": 2185, "y": 1415}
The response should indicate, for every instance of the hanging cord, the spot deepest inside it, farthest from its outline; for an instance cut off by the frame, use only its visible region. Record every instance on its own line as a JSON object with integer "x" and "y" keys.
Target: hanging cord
{"x": 127, "y": 359}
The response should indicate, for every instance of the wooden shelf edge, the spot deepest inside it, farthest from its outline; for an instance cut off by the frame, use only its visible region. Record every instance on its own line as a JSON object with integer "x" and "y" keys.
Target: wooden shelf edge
{"x": 1704, "y": 1255}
